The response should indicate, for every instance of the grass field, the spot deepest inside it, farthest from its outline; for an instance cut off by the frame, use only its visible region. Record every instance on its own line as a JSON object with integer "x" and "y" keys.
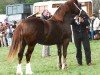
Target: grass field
{"x": 47, "y": 65}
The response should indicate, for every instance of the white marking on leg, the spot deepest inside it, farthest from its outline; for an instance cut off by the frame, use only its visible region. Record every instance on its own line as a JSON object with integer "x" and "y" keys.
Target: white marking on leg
{"x": 19, "y": 70}
{"x": 64, "y": 63}
{"x": 28, "y": 69}
{"x": 59, "y": 64}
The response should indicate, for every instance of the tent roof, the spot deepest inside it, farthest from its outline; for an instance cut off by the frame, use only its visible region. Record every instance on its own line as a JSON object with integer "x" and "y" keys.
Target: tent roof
{"x": 85, "y": 0}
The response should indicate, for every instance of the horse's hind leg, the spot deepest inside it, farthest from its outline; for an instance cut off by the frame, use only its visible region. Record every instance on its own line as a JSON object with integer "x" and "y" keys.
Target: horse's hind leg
{"x": 59, "y": 55}
{"x": 20, "y": 56}
{"x": 65, "y": 45}
{"x": 28, "y": 56}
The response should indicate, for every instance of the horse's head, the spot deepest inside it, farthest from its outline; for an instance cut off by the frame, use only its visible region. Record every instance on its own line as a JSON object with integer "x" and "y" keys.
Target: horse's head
{"x": 74, "y": 7}
{"x": 69, "y": 7}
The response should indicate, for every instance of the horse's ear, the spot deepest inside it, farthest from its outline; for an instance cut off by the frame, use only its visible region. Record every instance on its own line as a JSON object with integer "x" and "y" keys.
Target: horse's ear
{"x": 75, "y": 1}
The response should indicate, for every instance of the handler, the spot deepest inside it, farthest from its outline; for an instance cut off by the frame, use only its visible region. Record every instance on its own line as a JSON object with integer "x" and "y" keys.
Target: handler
{"x": 79, "y": 25}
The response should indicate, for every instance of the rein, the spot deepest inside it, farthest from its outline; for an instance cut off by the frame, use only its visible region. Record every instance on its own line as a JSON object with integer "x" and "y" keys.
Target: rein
{"x": 78, "y": 8}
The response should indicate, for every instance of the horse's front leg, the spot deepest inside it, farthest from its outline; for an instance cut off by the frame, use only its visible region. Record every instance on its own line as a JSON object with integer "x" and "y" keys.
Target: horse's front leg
{"x": 59, "y": 56}
{"x": 28, "y": 56}
{"x": 65, "y": 46}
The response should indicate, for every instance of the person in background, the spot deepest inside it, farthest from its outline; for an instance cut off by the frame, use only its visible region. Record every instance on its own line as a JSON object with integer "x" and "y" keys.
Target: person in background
{"x": 91, "y": 27}
{"x": 96, "y": 26}
{"x": 79, "y": 24}
{"x": 46, "y": 15}
{"x": 14, "y": 26}
{"x": 3, "y": 38}
{"x": 46, "y": 49}
{"x": 9, "y": 34}
{"x": 1, "y": 35}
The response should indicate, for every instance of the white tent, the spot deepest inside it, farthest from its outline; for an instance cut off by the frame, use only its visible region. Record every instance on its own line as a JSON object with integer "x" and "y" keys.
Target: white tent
{"x": 85, "y": 0}
{"x": 2, "y": 17}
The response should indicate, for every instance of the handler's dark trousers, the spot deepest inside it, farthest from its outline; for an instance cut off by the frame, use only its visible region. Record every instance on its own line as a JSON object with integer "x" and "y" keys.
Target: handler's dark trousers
{"x": 82, "y": 38}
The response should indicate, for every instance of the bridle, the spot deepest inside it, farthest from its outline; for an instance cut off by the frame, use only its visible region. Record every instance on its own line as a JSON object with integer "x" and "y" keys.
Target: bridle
{"x": 78, "y": 8}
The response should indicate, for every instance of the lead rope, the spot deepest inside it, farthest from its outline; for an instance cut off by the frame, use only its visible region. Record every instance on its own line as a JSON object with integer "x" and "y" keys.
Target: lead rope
{"x": 78, "y": 8}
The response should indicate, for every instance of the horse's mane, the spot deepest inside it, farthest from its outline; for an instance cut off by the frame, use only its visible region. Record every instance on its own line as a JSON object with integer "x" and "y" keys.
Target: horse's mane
{"x": 33, "y": 15}
{"x": 63, "y": 9}
{"x": 59, "y": 14}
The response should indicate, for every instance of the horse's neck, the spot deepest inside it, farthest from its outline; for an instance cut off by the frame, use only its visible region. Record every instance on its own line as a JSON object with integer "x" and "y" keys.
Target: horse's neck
{"x": 67, "y": 18}
{"x": 59, "y": 14}
{"x": 59, "y": 17}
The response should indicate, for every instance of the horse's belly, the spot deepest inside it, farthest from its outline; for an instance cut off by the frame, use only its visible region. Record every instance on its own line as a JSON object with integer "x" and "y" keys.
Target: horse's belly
{"x": 45, "y": 43}
{"x": 49, "y": 41}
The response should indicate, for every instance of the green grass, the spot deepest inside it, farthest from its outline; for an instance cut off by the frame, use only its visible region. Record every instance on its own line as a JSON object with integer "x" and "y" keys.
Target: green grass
{"x": 47, "y": 65}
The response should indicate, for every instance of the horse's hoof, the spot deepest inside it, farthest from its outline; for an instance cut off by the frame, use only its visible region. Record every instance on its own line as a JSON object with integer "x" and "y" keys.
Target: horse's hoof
{"x": 19, "y": 73}
{"x": 64, "y": 66}
{"x": 29, "y": 73}
{"x": 59, "y": 66}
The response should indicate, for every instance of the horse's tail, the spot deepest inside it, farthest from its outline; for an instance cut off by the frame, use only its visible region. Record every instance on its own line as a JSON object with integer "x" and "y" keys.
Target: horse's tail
{"x": 16, "y": 43}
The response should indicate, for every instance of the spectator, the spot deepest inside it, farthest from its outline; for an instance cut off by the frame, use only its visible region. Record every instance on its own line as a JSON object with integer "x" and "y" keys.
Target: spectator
{"x": 14, "y": 26}
{"x": 46, "y": 14}
{"x": 9, "y": 34}
{"x": 2, "y": 32}
{"x": 1, "y": 40}
{"x": 79, "y": 25}
{"x": 91, "y": 27}
{"x": 96, "y": 26}
{"x": 46, "y": 49}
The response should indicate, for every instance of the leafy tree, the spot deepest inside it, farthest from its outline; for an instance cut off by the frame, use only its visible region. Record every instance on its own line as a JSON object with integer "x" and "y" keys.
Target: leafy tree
{"x": 2, "y": 9}
{"x": 3, "y": 4}
{"x": 96, "y": 6}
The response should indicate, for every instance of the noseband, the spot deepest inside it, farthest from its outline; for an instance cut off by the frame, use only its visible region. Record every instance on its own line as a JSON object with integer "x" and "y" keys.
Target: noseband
{"x": 78, "y": 8}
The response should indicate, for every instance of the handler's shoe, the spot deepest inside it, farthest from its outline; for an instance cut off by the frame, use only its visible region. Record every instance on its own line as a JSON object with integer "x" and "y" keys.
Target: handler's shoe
{"x": 89, "y": 64}
{"x": 79, "y": 64}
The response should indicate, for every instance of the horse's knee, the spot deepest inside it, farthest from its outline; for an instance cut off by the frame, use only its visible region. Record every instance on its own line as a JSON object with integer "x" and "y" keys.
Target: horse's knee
{"x": 28, "y": 54}
{"x": 64, "y": 55}
{"x": 20, "y": 54}
{"x": 59, "y": 53}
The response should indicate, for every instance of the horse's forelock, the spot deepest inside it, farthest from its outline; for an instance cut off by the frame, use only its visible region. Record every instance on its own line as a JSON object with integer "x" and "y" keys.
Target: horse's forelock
{"x": 72, "y": 5}
{"x": 75, "y": 1}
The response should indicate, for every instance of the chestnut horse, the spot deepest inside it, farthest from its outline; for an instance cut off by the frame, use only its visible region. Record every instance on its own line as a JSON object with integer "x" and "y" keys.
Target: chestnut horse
{"x": 33, "y": 30}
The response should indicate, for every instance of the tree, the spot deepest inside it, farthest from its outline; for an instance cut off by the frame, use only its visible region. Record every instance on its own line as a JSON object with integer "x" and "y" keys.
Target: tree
{"x": 3, "y": 4}
{"x": 96, "y": 6}
{"x": 20, "y": 1}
